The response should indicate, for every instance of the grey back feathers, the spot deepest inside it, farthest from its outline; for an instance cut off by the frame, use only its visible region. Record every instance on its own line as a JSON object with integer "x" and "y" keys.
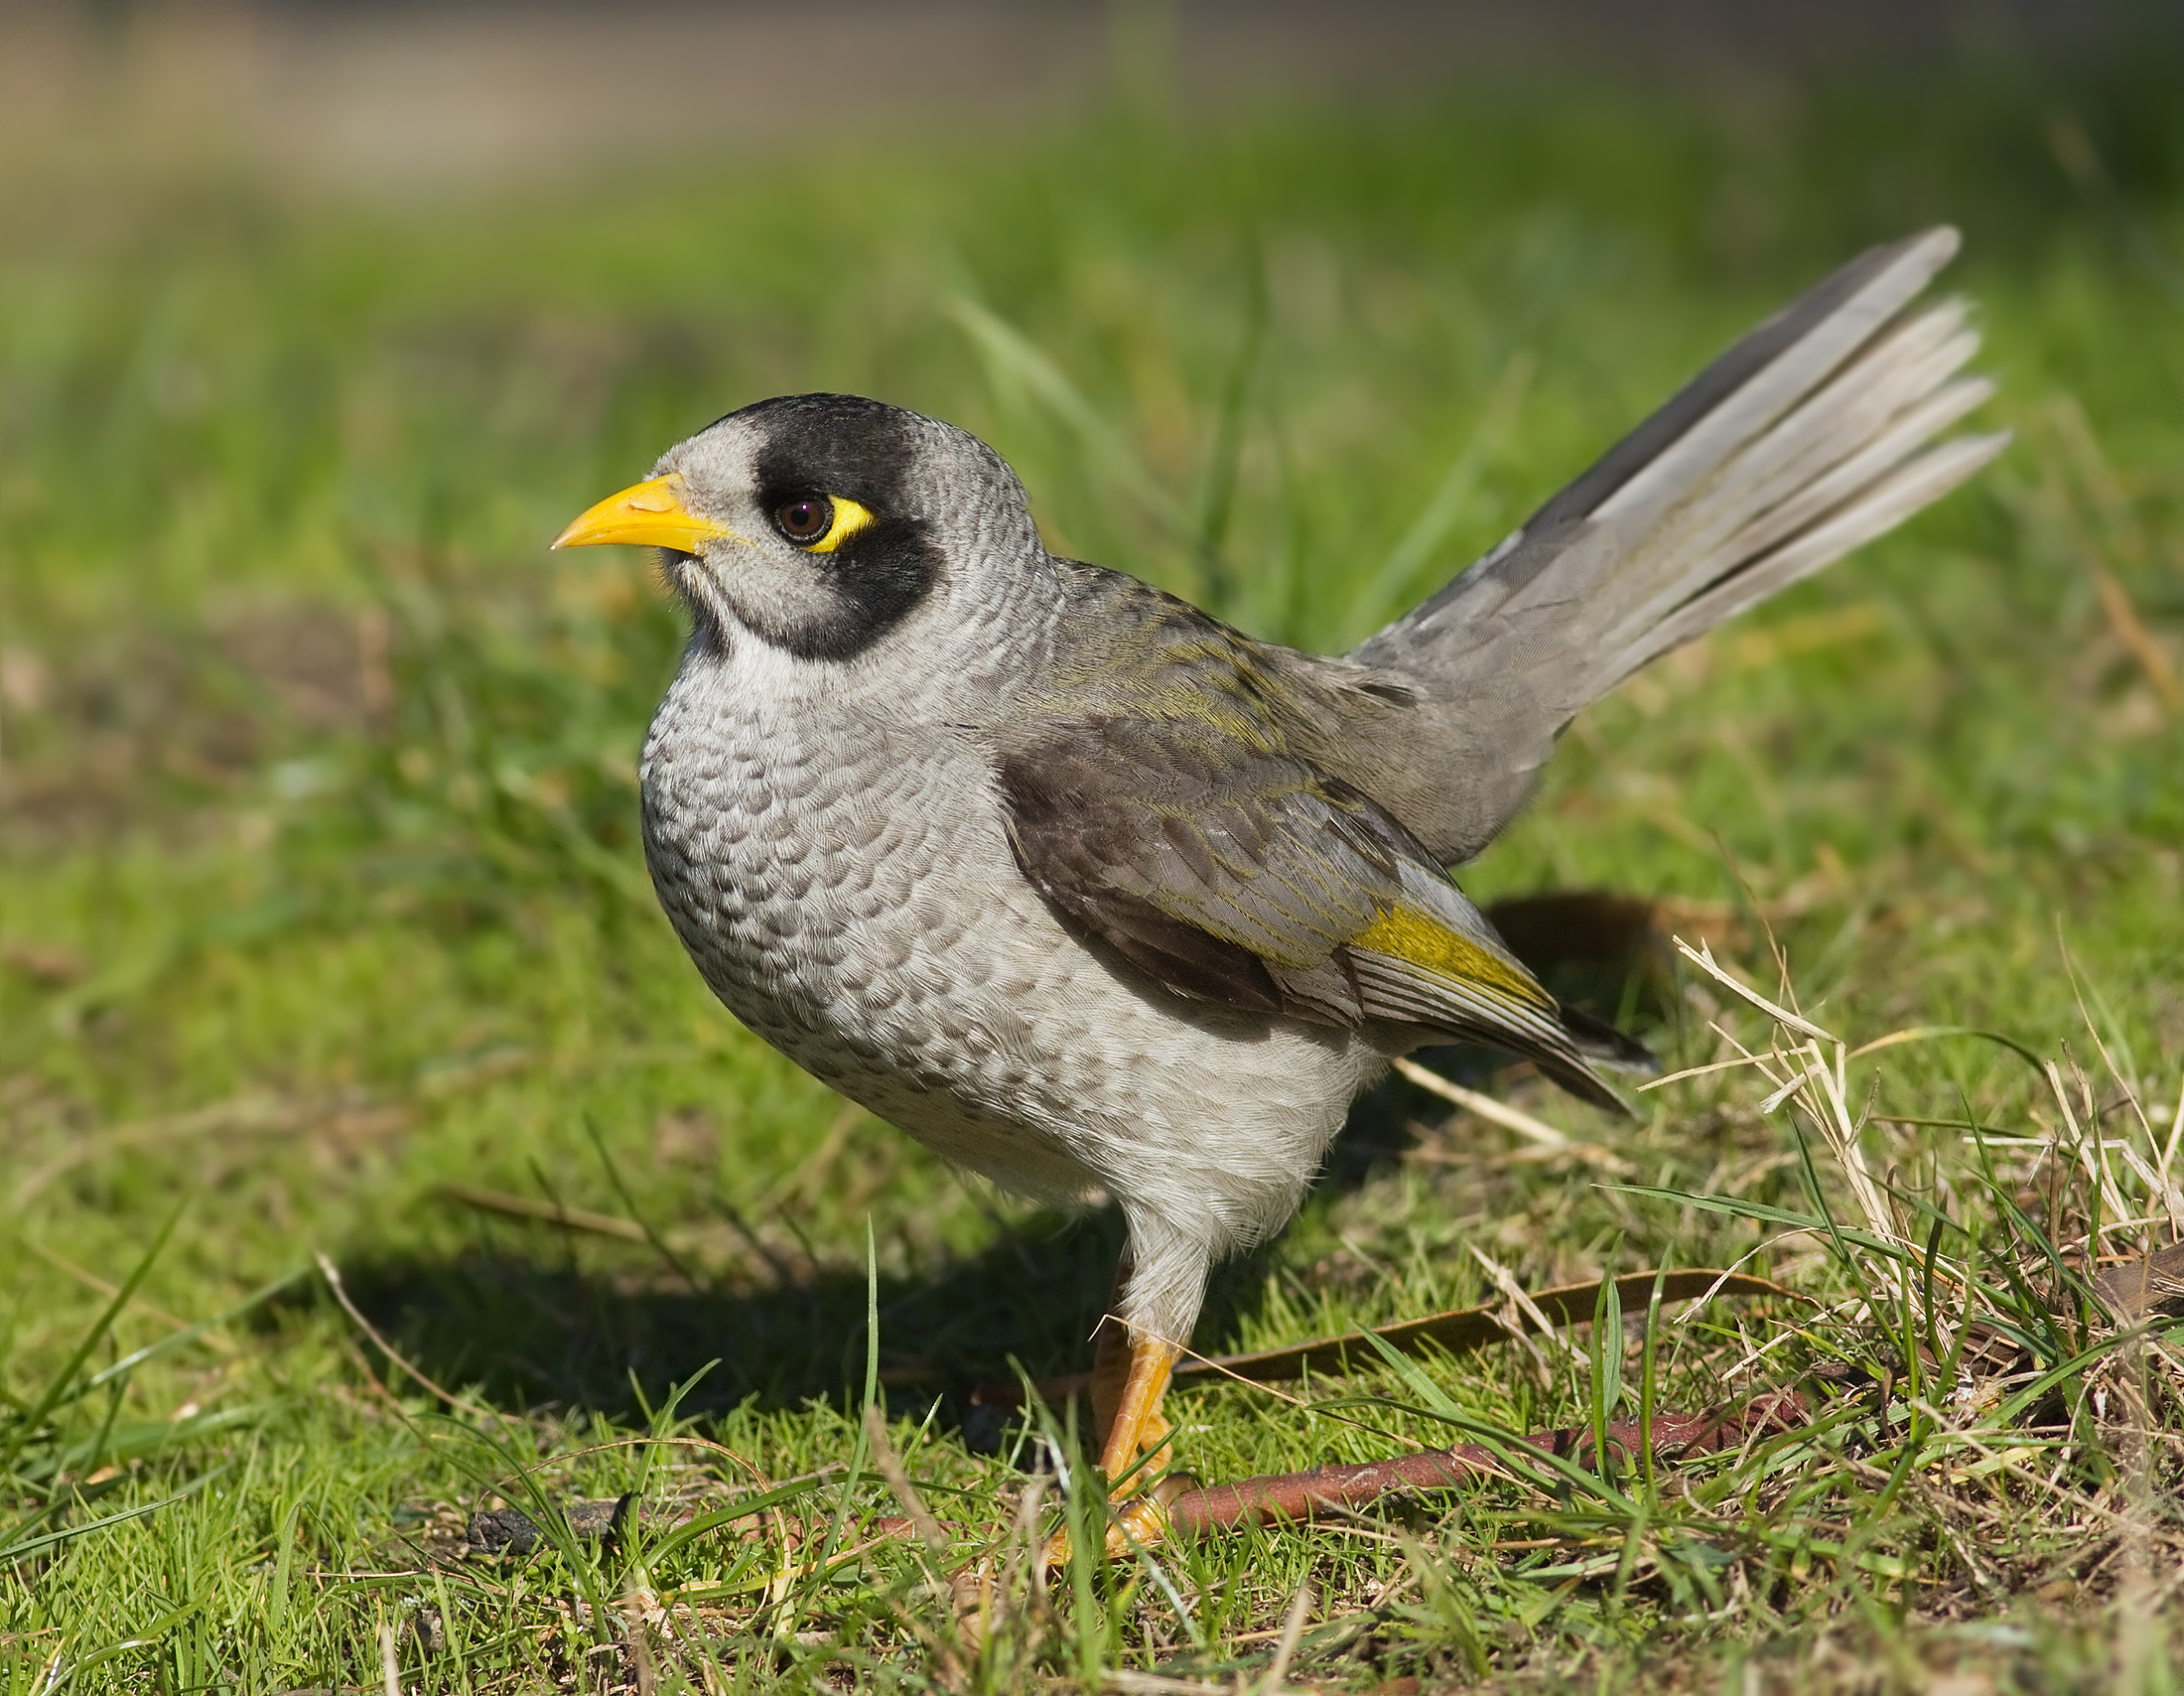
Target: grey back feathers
{"x": 1809, "y": 436}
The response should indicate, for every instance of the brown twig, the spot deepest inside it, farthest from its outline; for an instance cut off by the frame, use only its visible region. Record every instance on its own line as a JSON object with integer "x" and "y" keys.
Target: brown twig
{"x": 1456, "y": 1332}
{"x": 93, "y": 1281}
{"x": 252, "y": 1113}
{"x": 2131, "y": 632}
{"x": 333, "y": 1276}
{"x": 545, "y": 1212}
{"x": 1293, "y": 1496}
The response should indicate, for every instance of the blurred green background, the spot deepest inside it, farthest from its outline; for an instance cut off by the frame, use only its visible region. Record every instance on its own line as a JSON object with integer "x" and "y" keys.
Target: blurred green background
{"x": 322, "y": 880}
{"x": 318, "y": 882}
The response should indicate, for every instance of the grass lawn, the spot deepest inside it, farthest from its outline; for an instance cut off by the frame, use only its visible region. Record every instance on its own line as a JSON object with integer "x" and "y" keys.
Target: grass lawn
{"x": 320, "y": 895}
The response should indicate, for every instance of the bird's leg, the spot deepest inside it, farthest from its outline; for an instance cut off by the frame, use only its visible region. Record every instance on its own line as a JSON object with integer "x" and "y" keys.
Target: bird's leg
{"x": 1116, "y": 1371}
{"x": 1136, "y": 1440}
{"x": 1130, "y": 1377}
{"x": 1111, "y": 1352}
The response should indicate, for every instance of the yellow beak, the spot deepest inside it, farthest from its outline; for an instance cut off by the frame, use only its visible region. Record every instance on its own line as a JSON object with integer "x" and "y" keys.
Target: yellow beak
{"x": 646, "y": 515}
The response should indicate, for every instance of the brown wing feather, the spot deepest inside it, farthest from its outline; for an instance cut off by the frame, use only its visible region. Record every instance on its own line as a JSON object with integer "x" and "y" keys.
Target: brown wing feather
{"x": 1162, "y": 805}
{"x": 1064, "y": 842}
{"x": 1214, "y": 875}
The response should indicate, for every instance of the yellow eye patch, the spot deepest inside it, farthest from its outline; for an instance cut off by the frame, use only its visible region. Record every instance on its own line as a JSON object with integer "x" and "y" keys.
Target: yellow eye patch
{"x": 848, "y": 519}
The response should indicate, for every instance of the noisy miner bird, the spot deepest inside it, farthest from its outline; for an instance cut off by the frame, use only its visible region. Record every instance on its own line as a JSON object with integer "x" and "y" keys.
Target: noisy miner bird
{"x": 1087, "y": 891}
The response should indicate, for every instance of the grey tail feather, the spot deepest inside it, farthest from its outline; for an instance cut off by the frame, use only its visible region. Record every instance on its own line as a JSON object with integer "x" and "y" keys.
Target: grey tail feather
{"x": 1806, "y": 439}
{"x": 1603, "y": 1045}
{"x": 1581, "y": 1082}
{"x": 1594, "y": 1045}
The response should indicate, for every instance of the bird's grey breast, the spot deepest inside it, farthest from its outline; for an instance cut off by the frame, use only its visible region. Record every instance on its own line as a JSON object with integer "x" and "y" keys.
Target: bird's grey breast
{"x": 837, "y": 868}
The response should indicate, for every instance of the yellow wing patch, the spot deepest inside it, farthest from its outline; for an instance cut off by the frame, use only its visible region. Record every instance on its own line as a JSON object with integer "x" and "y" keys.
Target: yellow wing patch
{"x": 848, "y": 519}
{"x": 1410, "y": 935}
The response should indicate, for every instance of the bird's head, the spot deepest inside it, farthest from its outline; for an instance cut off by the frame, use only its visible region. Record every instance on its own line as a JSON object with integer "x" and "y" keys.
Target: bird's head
{"x": 825, "y": 525}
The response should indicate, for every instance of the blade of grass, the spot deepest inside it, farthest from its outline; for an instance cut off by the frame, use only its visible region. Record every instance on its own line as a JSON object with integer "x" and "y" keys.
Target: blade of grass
{"x": 1226, "y": 454}
{"x": 1390, "y": 585}
{"x": 651, "y": 1236}
{"x": 59, "y": 1386}
{"x": 16, "y": 1550}
{"x": 1014, "y": 363}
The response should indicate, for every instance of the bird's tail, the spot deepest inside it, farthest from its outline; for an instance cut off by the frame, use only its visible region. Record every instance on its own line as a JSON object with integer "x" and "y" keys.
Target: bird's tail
{"x": 1813, "y": 434}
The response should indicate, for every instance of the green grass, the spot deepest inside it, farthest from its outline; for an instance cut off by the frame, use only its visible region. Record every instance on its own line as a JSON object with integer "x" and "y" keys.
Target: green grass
{"x": 318, "y": 889}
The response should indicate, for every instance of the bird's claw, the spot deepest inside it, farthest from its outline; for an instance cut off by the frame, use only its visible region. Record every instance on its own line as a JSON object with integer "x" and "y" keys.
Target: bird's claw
{"x": 1135, "y": 1523}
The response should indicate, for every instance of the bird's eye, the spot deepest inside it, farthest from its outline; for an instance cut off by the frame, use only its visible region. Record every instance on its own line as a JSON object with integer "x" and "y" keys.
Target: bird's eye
{"x": 805, "y": 520}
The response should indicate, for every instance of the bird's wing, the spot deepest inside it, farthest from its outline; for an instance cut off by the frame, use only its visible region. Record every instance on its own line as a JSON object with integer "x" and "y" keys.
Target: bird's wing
{"x": 1811, "y": 436}
{"x": 1230, "y": 869}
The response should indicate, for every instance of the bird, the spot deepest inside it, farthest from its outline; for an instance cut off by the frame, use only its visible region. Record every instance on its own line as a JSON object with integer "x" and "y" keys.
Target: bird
{"x": 1096, "y": 896}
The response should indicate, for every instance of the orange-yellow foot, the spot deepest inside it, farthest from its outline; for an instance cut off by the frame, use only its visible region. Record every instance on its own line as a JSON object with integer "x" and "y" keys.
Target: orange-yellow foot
{"x": 1133, "y": 1457}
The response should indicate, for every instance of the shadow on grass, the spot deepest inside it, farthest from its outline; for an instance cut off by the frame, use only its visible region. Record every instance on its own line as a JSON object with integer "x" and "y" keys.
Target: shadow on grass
{"x": 528, "y": 1330}
{"x": 530, "y": 1326}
